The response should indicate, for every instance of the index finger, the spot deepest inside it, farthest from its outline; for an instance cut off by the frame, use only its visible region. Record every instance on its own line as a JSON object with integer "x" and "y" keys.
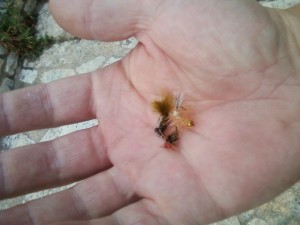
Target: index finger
{"x": 47, "y": 105}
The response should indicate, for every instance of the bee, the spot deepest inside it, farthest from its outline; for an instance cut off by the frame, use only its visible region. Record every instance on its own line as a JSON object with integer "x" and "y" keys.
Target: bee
{"x": 171, "y": 139}
{"x": 172, "y": 117}
{"x": 163, "y": 107}
{"x": 162, "y": 126}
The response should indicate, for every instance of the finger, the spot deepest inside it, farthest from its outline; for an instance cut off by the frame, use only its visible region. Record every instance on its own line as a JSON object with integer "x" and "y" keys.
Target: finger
{"x": 48, "y": 164}
{"x": 95, "y": 197}
{"x": 47, "y": 105}
{"x": 105, "y": 19}
{"x": 142, "y": 212}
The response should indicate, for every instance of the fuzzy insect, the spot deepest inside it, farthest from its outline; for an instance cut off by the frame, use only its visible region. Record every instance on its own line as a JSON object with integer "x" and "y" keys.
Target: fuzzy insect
{"x": 171, "y": 139}
{"x": 177, "y": 116}
{"x": 162, "y": 126}
{"x": 164, "y": 106}
{"x": 172, "y": 118}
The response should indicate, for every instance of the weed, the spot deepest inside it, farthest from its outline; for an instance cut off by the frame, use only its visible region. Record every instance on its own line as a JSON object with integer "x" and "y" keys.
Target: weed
{"x": 17, "y": 32}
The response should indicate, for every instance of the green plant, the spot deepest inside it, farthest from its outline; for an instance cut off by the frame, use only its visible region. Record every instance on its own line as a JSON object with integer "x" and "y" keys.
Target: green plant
{"x": 17, "y": 32}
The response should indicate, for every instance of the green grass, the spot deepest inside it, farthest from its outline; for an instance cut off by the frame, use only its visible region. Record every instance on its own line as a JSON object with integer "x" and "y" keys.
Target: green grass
{"x": 17, "y": 33}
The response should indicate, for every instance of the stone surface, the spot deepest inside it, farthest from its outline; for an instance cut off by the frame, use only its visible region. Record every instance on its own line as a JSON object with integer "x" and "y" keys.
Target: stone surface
{"x": 256, "y": 221}
{"x": 1, "y": 65}
{"x": 27, "y": 76}
{"x": 294, "y": 222}
{"x": 283, "y": 209}
{"x": 246, "y": 217}
{"x": 6, "y": 85}
{"x": 41, "y": 194}
{"x": 64, "y": 130}
{"x": 11, "y": 203}
{"x": 15, "y": 141}
{"x": 11, "y": 64}
{"x": 20, "y": 84}
{"x": 2, "y": 4}
{"x": 91, "y": 65}
{"x": 230, "y": 221}
{"x": 30, "y": 6}
{"x": 36, "y": 135}
{"x": 129, "y": 43}
{"x": 56, "y": 74}
{"x": 46, "y": 25}
{"x": 2, "y": 50}
{"x": 280, "y": 3}
{"x": 111, "y": 60}
{"x": 74, "y": 53}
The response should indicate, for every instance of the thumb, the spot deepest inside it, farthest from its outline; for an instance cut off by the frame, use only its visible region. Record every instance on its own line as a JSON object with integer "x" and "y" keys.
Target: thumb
{"x": 107, "y": 20}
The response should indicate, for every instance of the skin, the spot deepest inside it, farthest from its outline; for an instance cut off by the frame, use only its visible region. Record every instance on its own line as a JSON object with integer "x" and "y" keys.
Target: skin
{"x": 238, "y": 64}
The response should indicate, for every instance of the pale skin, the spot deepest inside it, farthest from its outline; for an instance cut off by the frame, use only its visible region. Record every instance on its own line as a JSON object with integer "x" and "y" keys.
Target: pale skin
{"x": 239, "y": 66}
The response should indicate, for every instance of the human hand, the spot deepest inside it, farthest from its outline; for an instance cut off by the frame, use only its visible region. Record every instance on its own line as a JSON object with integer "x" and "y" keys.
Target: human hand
{"x": 240, "y": 72}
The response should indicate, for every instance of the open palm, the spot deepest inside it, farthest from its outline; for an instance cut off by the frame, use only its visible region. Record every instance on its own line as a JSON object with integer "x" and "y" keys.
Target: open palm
{"x": 234, "y": 64}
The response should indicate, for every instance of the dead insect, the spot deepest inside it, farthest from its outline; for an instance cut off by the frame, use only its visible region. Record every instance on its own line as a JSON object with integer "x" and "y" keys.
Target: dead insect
{"x": 172, "y": 117}
{"x": 162, "y": 126}
{"x": 171, "y": 139}
{"x": 177, "y": 116}
{"x": 164, "y": 106}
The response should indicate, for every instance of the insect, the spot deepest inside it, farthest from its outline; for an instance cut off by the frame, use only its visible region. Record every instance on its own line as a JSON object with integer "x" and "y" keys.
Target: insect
{"x": 171, "y": 139}
{"x": 172, "y": 117}
{"x": 162, "y": 126}
{"x": 164, "y": 106}
{"x": 177, "y": 114}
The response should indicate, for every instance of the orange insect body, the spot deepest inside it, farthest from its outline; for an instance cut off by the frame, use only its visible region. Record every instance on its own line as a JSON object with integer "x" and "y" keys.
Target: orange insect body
{"x": 172, "y": 117}
{"x": 177, "y": 115}
{"x": 178, "y": 119}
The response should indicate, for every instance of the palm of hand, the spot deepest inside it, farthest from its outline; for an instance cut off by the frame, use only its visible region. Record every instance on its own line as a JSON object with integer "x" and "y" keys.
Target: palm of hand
{"x": 226, "y": 163}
